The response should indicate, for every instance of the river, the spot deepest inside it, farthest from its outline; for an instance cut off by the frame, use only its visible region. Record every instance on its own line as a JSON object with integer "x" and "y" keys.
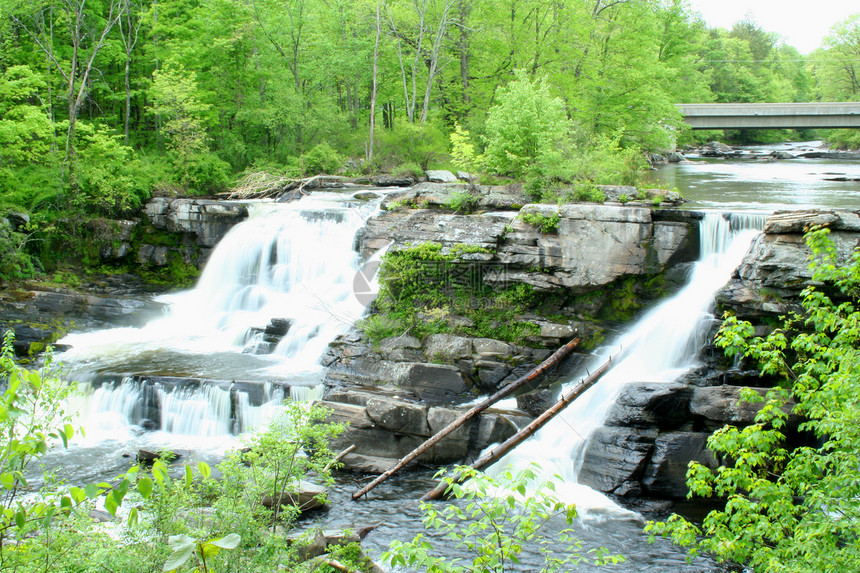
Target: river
{"x": 299, "y": 257}
{"x": 764, "y": 185}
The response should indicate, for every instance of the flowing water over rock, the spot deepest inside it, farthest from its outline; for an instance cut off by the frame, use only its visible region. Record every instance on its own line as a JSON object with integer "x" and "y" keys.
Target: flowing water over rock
{"x": 660, "y": 347}
{"x": 276, "y": 290}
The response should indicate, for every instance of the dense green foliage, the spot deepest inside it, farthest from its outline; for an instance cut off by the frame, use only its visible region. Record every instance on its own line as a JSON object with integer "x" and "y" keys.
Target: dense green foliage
{"x": 493, "y": 520}
{"x": 789, "y": 506}
{"x": 103, "y": 104}
{"x": 173, "y": 518}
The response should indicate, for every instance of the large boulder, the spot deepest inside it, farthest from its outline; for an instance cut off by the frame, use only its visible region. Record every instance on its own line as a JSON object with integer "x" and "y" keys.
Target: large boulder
{"x": 615, "y": 458}
{"x": 651, "y": 405}
{"x": 666, "y": 473}
{"x": 384, "y": 428}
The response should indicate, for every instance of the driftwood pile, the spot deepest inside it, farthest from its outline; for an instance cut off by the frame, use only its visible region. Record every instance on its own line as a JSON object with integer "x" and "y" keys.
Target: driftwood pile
{"x": 264, "y": 185}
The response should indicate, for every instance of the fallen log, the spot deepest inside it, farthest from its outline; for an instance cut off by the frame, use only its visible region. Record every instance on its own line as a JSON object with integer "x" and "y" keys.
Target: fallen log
{"x": 262, "y": 185}
{"x": 496, "y": 453}
{"x": 337, "y": 458}
{"x": 556, "y": 357}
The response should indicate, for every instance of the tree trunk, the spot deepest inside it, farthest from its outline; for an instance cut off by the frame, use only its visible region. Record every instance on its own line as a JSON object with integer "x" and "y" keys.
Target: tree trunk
{"x": 557, "y": 356}
{"x": 496, "y": 453}
{"x": 373, "y": 88}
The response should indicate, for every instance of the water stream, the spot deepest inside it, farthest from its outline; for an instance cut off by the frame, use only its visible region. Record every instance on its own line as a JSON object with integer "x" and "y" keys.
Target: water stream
{"x": 295, "y": 263}
{"x": 288, "y": 269}
{"x": 765, "y": 185}
{"x": 660, "y": 347}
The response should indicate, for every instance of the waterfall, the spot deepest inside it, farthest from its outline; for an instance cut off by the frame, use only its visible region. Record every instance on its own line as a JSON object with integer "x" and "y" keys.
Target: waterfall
{"x": 659, "y": 347}
{"x": 276, "y": 290}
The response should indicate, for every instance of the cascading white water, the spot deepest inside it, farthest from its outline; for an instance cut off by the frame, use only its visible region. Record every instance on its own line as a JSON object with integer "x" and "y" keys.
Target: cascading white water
{"x": 660, "y": 347}
{"x": 293, "y": 263}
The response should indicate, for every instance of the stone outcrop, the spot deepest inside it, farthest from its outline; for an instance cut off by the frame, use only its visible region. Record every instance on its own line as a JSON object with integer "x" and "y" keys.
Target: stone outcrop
{"x": 776, "y": 269}
{"x": 441, "y": 369}
{"x": 384, "y": 427}
{"x": 168, "y": 229}
{"x": 654, "y": 430}
{"x": 592, "y": 246}
{"x": 200, "y": 223}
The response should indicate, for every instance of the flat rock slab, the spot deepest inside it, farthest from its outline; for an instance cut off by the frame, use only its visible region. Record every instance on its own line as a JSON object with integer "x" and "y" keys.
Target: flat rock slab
{"x": 441, "y": 176}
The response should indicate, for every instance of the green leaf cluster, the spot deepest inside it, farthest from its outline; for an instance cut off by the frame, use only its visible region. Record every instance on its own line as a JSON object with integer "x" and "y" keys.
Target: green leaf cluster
{"x": 492, "y": 520}
{"x": 546, "y": 223}
{"x": 175, "y": 518}
{"x": 424, "y": 287}
{"x": 789, "y": 506}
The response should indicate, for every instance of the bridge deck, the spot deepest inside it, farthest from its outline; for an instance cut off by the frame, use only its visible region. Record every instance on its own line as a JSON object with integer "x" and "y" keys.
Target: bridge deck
{"x": 821, "y": 115}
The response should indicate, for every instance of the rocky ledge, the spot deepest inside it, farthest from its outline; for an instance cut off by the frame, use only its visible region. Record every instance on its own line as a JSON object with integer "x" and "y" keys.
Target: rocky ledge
{"x": 171, "y": 229}
{"x": 775, "y": 270}
{"x": 384, "y": 427}
{"x": 654, "y": 430}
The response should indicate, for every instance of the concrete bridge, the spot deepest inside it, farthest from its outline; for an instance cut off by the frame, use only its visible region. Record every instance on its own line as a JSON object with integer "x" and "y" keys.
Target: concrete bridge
{"x": 826, "y": 115}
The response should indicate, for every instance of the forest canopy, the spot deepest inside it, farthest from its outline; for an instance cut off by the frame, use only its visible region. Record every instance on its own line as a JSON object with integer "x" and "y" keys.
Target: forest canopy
{"x": 106, "y": 102}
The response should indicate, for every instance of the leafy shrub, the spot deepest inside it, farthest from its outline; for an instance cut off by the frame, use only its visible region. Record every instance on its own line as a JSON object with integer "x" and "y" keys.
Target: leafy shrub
{"x": 790, "y": 508}
{"x": 408, "y": 169}
{"x": 537, "y": 188}
{"x": 844, "y": 138}
{"x": 493, "y": 520}
{"x": 322, "y": 158}
{"x": 205, "y": 174}
{"x": 588, "y": 192}
{"x": 462, "y": 202}
{"x": 541, "y": 221}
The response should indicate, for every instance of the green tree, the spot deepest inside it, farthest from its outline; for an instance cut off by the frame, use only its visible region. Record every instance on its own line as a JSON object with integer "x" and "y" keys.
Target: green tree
{"x": 26, "y": 133}
{"x": 526, "y": 129}
{"x": 70, "y": 34}
{"x": 791, "y": 508}
{"x": 175, "y": 99}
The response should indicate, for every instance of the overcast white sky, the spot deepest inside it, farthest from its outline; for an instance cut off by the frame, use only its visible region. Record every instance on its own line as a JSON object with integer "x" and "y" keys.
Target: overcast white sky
{"x": 801, "y": 23}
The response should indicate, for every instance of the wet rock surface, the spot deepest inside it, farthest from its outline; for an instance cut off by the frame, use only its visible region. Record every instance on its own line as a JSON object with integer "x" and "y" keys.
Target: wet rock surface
{"x": 768, "y": 282}
{"x": 41, "y": 317}
{"x": 384, "y": 427}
